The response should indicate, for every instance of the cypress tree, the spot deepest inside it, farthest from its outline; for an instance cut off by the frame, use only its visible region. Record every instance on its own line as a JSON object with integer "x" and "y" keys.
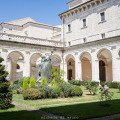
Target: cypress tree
{"x": 5, "y": 92}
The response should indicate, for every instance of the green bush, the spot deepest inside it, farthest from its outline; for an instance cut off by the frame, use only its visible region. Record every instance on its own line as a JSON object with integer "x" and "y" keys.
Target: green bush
{"x": 25, "y": 83}
{"x": 16, "y": 86}
{"x": 77, "y": 91}
{"x": 105, "y": 95}
{"x": 43, "y": 81}
{"x": 76, "y": 82}
{"x": 32, "y": 82}
{"x": 91, "y": 86}
{"x": 119, "y": 87}
{"x": 113, "y": 84}
{"x": 69, "y": 90}
{"x": 5, "y": 92}
{"x": 48, "y": 92}
{"x": 31, "y": 94}
{"x": 53, "y": 82}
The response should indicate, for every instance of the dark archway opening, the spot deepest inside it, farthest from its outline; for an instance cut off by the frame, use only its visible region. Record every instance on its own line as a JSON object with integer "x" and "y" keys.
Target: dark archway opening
{"x": 102, "y": 71}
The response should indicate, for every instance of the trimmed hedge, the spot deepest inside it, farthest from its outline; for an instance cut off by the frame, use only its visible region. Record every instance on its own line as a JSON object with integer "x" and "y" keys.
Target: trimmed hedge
{"x": 83, "y": 83}
{"x": 113, "y": 85}
{"x": 70, "y": 90}
{"x": 31, "y": 94}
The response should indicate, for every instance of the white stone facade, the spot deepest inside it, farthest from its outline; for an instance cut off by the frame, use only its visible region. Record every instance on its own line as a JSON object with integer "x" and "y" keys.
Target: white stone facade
{"x": 87, "y": 44}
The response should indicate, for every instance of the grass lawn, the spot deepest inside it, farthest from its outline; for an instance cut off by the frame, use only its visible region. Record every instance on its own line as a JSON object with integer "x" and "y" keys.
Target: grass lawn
{"x": 85, "y": 110}
{"x": 83, "y": 107}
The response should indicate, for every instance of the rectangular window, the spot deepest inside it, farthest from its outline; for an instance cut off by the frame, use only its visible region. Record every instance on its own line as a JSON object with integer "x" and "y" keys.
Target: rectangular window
{"x": 102, "y": 16}
{"x": 84, "y": 40}
{"x": 69, "y": 28}
{"x": 84, "y": 22}
{"x": 103, "y": 35}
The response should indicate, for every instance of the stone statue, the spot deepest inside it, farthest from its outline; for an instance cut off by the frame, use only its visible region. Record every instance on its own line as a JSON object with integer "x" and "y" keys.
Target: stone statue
{"x": 44, "y": 67}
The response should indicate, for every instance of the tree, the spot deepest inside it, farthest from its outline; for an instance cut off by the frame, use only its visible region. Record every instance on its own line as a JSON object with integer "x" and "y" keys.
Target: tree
{"x": 5, "y": 92}
{"x": 56, "y": 74}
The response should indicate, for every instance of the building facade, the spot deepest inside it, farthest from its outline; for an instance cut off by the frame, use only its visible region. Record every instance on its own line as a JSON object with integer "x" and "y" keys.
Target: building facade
{"x": 86, "y": 46}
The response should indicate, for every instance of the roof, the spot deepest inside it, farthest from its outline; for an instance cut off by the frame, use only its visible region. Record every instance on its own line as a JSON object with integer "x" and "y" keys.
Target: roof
{"x": 28, "y": 21}
{"x": 21, "y": 22}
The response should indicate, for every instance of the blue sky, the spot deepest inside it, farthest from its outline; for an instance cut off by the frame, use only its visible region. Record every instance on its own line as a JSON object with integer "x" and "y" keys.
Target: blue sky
{"x": 44, "y": 11}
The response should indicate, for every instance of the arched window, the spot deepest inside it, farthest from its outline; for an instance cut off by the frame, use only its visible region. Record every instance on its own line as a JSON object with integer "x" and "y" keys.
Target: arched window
{"x": 18, "y": 67}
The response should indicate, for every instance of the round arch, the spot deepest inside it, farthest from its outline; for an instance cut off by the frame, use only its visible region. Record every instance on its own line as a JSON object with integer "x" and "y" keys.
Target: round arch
{"x": 56, "y": 60}
{"x": 33, "y": 68}
{"x": 15, "y": 61}
{"x": 105, "y": 65}
{"x": 86, "y": 66}
{"x": 70, "y": 61}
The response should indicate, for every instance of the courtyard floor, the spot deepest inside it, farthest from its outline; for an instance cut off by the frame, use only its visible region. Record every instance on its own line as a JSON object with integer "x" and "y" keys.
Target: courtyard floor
{"x": 84, "y": 107}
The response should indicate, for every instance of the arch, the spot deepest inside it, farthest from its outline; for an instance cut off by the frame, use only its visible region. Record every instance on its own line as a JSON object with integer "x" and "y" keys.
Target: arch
{"x": 69, "y": 56}
{"x": 56, "y": 60}
{"x": 70, "y": 61}
{"x": 86, "y": 66}
{"x": 15, "y": 53}
{"x": 105, "y": 65}
{"x": 33, "y": 68}
{"x": 16, "y": 60}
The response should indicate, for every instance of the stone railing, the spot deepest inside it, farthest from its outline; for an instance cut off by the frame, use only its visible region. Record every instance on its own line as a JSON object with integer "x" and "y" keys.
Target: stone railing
{"x": 29, "y": 40}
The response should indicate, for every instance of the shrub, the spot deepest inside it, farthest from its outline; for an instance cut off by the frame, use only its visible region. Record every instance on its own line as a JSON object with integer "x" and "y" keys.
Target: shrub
{"x": 113, "y": 85}
{"x": 53, "y": 82}
{"x": 69, "y": 90}
{"x": 43, "y": 81}
{"x": 5, "y": 92}
{"x": 62, "y": 81}
{"x": 119, "y": 87}
{"x": 105, "y": 95}
{"x": 76, "y": 82}
{"x": 31, "y": 94}
{"x": 48, "y": 92}
{"x": 25, "y": 83}
{"x": 56, "y": 74}
{"x": 16, "y": 86}
{"x": 32, "y": 82}
{"x": 56, "y": 89}
{"x": 77, "y": 91}
{"x": 92, "y": 87}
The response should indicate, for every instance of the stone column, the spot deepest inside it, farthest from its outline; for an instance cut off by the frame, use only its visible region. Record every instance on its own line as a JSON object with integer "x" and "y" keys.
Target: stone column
{"x": 116, "y": 66}
{"x": 95, "y": 69}
{"x": 78, "y": 72}
{"x": 26, "y": 69}
{"x": 65, "y": 72}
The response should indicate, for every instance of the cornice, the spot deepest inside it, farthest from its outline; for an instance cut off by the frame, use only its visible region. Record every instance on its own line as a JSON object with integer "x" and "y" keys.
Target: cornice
{"x": 80, "y": 8}
{"x": 94, "y": 43}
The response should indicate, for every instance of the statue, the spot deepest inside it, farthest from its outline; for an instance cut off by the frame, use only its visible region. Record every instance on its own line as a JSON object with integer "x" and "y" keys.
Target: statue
{"x": 44, "y": 67}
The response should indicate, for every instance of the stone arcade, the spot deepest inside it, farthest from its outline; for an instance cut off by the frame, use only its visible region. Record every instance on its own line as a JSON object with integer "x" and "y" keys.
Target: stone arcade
{"x": 86, "y": 45}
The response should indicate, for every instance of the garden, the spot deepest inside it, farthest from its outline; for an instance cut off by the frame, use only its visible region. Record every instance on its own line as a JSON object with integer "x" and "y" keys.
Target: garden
{"x": 28, "y": 99}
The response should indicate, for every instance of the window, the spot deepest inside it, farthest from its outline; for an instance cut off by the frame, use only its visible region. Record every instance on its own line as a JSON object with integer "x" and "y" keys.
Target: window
{"x": 84, "y": 23}
{"x": 103, "y": 35}
{"x": 18, "y": 67}
{"x": 69, "y": 43}
{"x": 70, "y": 63}
{"x": 69, "y": 28}
{"x": 102, "y": 16}
{"x": 84, "y": 40}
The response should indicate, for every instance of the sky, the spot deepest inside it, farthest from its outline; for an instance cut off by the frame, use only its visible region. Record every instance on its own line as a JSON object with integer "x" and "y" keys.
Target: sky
{"x": 44, "y": 11}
